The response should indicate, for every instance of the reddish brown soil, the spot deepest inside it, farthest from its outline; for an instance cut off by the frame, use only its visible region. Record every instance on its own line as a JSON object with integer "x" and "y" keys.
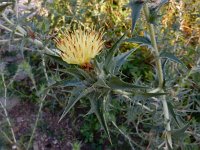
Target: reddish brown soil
{"x": 50, "y": 135}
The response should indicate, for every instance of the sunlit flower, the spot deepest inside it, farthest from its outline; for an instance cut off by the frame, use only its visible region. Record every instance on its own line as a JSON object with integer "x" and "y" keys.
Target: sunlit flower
{"x": 79, "y": 46}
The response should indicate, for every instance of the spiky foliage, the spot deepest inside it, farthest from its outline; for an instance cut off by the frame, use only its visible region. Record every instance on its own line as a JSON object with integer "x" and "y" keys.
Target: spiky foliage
{"x": 99, "y": 84}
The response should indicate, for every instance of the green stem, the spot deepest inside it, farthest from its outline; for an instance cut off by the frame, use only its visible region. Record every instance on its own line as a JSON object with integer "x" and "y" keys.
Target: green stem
{"x": 168, "y": 138}
{"x": 154, "y": 44}
{"x": 36, "y": 122}
{"x": 3, "y": 105}
{"x": 41, "y": 105}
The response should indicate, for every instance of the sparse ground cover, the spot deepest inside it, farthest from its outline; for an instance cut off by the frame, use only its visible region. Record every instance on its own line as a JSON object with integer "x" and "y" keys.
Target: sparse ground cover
{"x": 133, "y": 84}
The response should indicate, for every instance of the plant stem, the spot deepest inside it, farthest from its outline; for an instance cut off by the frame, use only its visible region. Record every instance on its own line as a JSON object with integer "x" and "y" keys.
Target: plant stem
{"x": 44, "y": 69}
{"x": 154, "y": 44}
{"x": 160, "y": 78}
{"x": 41, "y": 105}
{"x": 36, "y": 122}
{"x": 3, "y": 105}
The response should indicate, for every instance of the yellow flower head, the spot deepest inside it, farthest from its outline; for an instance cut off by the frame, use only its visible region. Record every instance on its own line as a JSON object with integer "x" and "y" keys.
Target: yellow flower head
{"x": 79, "y": 46}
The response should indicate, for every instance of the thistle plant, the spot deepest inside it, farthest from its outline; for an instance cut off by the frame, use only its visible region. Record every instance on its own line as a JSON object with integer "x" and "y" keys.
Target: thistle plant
{"x": 99, "y": 83}
{"x": 91, "y": 72}
{"x": 93, "y": 84}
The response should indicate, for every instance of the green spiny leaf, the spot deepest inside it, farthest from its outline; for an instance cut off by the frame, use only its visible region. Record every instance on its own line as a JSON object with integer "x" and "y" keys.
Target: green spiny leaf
{"x": 58, "y": 60}
{"x": 105, "y": 99}
{"x": 77, "y": 73}
{"x": 84, "y": 73}
{"x": 171, "y": 57}
{"x": 98, "y": 107}
{"x": 66, "y": 83}
{"x": 136, "y": 7}
{"x": 117, "y": 84}
{"x": 101, "y": 83}
{"x": 160, "y": 4}
{"x": 171, "y": 110}
{"x": 98, "y": 66}
{"x": 112, "y": 51}
{"x": 144, "y": 40}
{"x": 179, "y": 132}
{"x": 120, "y": 60}
{"x": 93, "y": 97}
{"x": 74, "y": 98}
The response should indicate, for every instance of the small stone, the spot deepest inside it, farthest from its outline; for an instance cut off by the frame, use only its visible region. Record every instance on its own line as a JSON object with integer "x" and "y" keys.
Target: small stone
{"x": 10, "y": 103}
{"x": 55, "y": 142}
{"x": 19, "y": 119}
{"x": 21, "y": 75}
{"x": 14, "y": 147}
